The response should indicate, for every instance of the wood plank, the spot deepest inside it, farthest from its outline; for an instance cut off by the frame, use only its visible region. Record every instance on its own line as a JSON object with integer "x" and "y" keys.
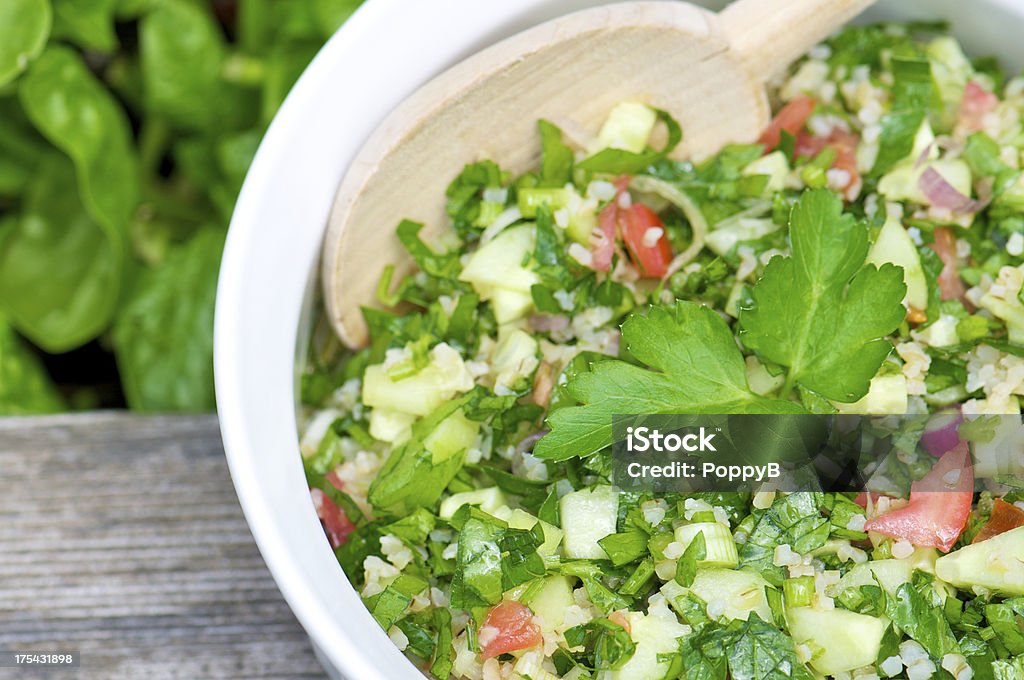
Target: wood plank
{"x": 121, "y": 538}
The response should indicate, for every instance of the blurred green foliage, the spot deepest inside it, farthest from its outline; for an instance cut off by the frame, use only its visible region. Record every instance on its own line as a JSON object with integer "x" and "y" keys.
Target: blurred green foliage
{"x": 126, "y": 129}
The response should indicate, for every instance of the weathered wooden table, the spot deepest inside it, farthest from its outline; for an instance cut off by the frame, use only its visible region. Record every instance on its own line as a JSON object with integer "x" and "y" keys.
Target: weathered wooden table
{"x": 121, "y": 538}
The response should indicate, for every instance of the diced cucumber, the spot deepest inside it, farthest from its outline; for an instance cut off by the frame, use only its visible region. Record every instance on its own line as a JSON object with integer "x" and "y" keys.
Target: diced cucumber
{"x": 489, "y": 500}
{"x": 499, "y": 272}
{"x": 507, "y": 305}
{"x": 997, "y": 456}
{"x": 452, "y": 435}
{"x": 841, "y": 640}
{"x": 889, "y": 574}
{"x": 950, "y": 71}
{"x": 629, "y": 126}
{"x": 924, "y": 144}
{"x": 895, "y": 245}
{"x": 550, "y": 602}
{"x": 514, "y": 359}
{"x": 530, "y": 199}
{"x": 582, "y": 223}
{"x": 887, "y": 394}
{"x": 422, "y": 392}
{"x": 390, "y": 426}
{"x": 1003, "y": 301}
{"x": 942, "y": 333}
{"x": 728, "y": 233}
{"x": 588, "y": 515}
{"x": 719, "y": 544}
{"x": 996, "y": 564}
{"x": 500, "y": 263}
{"x": 655, "y": 633}
{"x": 760, "y": 380}
{"x": 520, "y": 519}
{"x": 740, "y": 591}
{"x": 901, "y": 183}
{"x": 582, "y": 216}
{"x": 775, "y": 165}
{"x": 529, "y": 665}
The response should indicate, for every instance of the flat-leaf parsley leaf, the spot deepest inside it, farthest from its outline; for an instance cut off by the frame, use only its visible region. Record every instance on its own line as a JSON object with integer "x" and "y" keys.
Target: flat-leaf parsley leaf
{"x": 697, "y": 369}
{"x": 822, "y": 313}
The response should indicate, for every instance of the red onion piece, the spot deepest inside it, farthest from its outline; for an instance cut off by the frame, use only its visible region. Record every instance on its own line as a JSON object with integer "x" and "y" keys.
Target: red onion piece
{"x": 527, "y": 443}
{"x": 549, "y": 322}
{"x": 923, "y": 157}
{"x": 942, "y": 194}
{"x": 940, "y": 434}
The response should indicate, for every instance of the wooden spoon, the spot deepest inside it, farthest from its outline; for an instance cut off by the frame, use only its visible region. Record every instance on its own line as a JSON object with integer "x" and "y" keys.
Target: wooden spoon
{"x": 708, "y": 70}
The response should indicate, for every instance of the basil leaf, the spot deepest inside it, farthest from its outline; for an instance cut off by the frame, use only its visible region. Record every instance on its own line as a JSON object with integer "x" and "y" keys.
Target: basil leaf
{"x": 163, "y": 337}
{"x": 24, "y": 386}
{"x": 24, "y": 28}
{"x": 183, "y": 59}
{"x": 89, "y": 23}
{"x": 58, "y": 308}
{"x": 66, "y": 102}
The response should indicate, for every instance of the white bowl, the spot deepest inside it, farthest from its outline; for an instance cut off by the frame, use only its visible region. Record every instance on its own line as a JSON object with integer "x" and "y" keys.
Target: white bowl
{"x": 382, "y": 54}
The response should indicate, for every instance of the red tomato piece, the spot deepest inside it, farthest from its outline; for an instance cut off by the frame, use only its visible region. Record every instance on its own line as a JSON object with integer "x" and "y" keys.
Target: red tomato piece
{"x": 509, "y": 626}
{"x": 618, "y": 617}
{"x": 951, "y": 287}
{"x": 1004, "y": 517}
{"x": 975, "y": 103}
{"x": 335, "y": 480}
{"x": 336, "y": 524}
{"x": 792, "y": 117}
{"x": 845, "y": 145}
{"x": 862, "y": 498}
{"x": 939, "y": 506}
{"x": 650, "y": 250}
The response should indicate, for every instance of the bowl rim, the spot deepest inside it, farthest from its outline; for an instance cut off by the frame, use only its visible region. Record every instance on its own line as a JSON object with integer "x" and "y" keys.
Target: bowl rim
{"x": 255, "y": 380}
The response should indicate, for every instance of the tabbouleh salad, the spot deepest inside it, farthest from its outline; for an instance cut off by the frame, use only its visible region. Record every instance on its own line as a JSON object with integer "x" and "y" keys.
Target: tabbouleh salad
{"x": 866, "y": 256}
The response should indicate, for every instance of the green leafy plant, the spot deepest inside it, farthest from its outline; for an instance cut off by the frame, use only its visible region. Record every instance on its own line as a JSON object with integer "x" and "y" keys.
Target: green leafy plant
{"x": 126, "y": 129}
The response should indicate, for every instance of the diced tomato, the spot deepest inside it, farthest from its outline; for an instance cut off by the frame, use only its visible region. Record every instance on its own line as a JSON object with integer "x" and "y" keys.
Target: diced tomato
{"x": 336, "y": 524}
{"x": 939, "y": 506}
{"x": 602, "y": 246}
{"x": 975, "y": 103}
{"x": 792, "y": 117}
{"x": 808, "y": 145}
{"x": 1004, "y": 517}
{"x": 845, "y": 144}
{"x": 630, "y": 223}
{"x": 509, "y": 626}
{"x": 862, "y": 498}
{"x": 650, "y": 251}
{"x": 335, "y": 480}
{"x": 951, "y": 287}
{"x": 618, "y": 617}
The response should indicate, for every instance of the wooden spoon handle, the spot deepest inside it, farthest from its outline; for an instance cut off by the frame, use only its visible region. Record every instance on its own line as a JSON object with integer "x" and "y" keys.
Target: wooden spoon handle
{"x": 769, "y": 35}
